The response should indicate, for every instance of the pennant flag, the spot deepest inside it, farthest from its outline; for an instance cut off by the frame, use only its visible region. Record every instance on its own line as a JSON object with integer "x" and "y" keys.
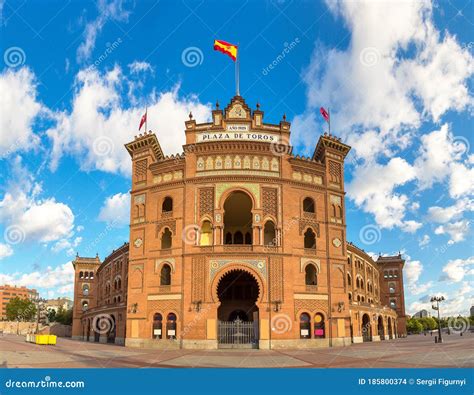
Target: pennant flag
{"x": 324, "y": 113}
{"x": 142, "y": 121}
{"x": 226, "y": 48}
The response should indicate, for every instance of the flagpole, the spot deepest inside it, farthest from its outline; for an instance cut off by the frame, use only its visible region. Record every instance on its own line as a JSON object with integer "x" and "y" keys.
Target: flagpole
{"x": 329, "y": 122}
{"x": 237, "y": 76}
{"x": 146, "y": 119}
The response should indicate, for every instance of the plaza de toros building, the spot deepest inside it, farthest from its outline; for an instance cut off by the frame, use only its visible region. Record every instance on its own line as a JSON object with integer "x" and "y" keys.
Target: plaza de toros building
{"x": 237, "y": 242}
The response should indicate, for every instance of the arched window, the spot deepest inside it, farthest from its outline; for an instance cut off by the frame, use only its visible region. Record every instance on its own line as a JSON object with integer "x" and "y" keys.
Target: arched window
{"x": 85, "y": 290}
{"x": 361, "y": 283}
{"x": 228, "y": 238}
{"x": 248, "y": 238}
{"x": 238, "y": 237}
{"x": 269, "y": 236}
{"x": 167, "y": 205}
{"x": 91, "y": 275}
{"x": 305, "y": 326}
{"x": 357, "y": 282}
{"x": 311, "y": 276}
{"x": 157, "y": 326}
{"x": 350, "y": 297}
{"x": 81, "y": 274}
{"x": 171, "y": 326}
{"x": 308, "y": 205}
{"x": 319, "y": 332}
{"x": 391, "y": 288}
{"x": 86, "y": 275}
{"x": 85, "y": 305}
{"x": 309, "y": 239}
{"x": 165, "y": 275}
{"x": 166, "y": 239}
{"x": 206, "y": 234}
{"x": 349, "y": 279}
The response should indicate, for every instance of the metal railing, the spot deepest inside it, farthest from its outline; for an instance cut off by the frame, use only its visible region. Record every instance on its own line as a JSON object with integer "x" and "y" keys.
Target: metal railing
{"x": 236, "y": 333}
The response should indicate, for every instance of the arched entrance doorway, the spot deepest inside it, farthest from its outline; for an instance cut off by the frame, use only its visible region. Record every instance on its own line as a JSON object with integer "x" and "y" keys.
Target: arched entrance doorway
{"x": 366, "y": 328}
{"x": 238, "y": 292}
{"x": 380, "y": 328}
{"x": 238, "y": 218}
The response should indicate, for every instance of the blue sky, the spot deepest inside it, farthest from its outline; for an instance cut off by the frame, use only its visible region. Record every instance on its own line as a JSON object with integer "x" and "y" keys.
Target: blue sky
{"x": 76, "y": 76}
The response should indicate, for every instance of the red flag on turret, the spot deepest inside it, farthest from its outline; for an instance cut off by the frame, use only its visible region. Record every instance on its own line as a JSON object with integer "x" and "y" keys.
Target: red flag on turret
{"x": 142, "y": 121}
{"x": 324, "y": 113}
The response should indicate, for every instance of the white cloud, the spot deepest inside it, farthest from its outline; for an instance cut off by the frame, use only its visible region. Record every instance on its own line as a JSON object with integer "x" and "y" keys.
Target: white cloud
{"x": 137, "y": 67}
{"x": 32, "y": 217}
{"x": 47, "y": 278}
{"x": 456, "y": 230}
{"x": 446, "y": 214}
{"x": 19, "y": 109}
{"x": 5, "y": 250}
{"x": 116, "y": 209}
{"x": 113, "y": 11}
{"x": 425, "y": 240}
{"x": 66, "y": 244}
{"x": 412, "y": 271}
{"x": 455, "y": 270}
{"x": 373, "y": 186}
{"x": 99, "y": 125}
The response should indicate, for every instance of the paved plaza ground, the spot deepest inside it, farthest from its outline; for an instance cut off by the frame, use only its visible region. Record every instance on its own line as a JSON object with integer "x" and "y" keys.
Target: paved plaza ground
{"x": 414, "y": 351}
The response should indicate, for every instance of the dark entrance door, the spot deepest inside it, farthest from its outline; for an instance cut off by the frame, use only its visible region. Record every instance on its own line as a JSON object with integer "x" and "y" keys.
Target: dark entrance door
{"x": 238, "y": 314}
{"x": 380, "y": 328}
{"x": 366, "y": 329}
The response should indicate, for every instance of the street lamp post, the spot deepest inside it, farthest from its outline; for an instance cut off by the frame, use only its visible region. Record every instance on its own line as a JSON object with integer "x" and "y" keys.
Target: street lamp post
{"x": 438, "y": 299}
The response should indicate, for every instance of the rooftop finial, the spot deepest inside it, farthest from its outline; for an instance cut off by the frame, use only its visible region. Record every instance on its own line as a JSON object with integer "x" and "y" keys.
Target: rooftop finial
{"x": 190, "y": 115}
{"x": 217, "y": 104}
{"x": 284, "y": 117}
{"x": 258, "y": 106}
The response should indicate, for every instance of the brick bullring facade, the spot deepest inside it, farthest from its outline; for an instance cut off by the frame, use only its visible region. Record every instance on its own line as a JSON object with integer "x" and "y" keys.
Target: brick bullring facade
{"x": 237, "y": 242}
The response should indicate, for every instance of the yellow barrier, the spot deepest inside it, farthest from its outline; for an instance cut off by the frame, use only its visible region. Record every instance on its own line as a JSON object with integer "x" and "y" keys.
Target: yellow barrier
{"x": 46, "y": 339}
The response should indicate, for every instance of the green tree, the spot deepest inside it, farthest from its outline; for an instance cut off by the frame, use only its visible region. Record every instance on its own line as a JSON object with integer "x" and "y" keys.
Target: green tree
{"x": 20, "y": 310}
{"x": 414, "y": 326}
{"x": 64, "y": 316}
{"x": 51, "y": 315}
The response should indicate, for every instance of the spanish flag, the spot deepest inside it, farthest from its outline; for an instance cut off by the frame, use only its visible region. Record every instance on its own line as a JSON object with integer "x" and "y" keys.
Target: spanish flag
{"x": 226, "y": 48}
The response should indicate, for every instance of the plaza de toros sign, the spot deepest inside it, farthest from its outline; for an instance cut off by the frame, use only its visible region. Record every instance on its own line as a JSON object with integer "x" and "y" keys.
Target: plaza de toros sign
{"x": 237, "y": 132}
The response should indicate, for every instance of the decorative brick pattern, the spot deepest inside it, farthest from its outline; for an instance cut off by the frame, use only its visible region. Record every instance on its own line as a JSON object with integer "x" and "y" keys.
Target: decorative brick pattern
{"x": 270, "y": 202}
{"x": 334, "y": 172}
{"x": 140, "y": 169}
{"x": 164, "y": 306}
{"x": 199, "y": 282}
{"x": 276, "y": 279}
{"x": 166, "y": 223}
{"x": 206, "y": 202}
{"x": 311, "y": 306}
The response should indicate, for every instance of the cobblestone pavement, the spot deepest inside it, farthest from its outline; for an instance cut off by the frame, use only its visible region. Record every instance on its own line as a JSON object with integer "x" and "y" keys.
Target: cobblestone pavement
{"x": 415, "y": 351}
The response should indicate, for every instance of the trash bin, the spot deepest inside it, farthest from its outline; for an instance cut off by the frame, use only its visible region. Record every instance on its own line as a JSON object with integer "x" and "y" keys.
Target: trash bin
{"x": 52, "y": 339}
{"x": 41, "y": 339}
